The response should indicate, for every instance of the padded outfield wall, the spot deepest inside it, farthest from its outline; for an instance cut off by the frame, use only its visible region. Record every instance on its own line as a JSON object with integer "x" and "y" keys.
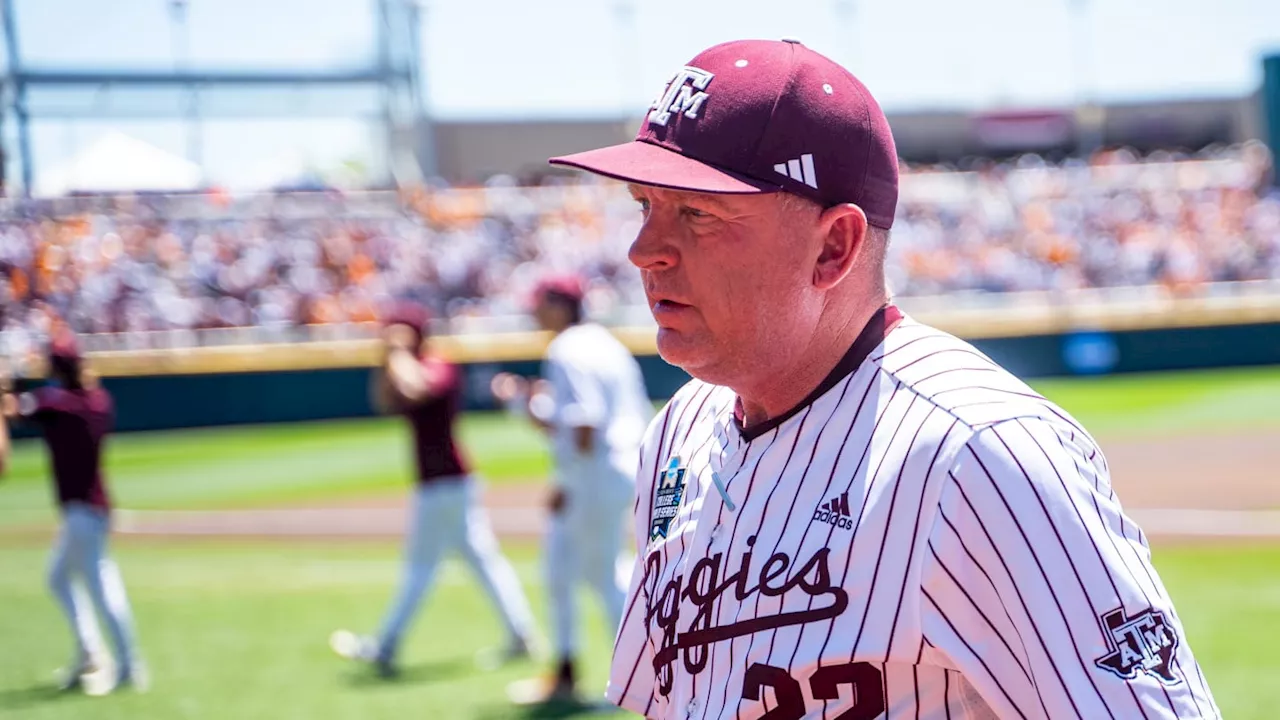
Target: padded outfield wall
{"x": 194, "y": 387}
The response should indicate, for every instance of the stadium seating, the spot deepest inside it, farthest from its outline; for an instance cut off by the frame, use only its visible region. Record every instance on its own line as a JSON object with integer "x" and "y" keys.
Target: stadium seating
{"x": 296, "y": 266}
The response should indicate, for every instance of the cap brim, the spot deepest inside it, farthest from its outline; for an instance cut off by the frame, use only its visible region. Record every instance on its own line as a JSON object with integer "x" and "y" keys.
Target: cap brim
{"x": 644, "y": 163}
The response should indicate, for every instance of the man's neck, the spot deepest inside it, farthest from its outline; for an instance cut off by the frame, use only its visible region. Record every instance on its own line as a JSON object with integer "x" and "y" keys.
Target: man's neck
{"x": 783, "y": 388}
{"x": 557, "y": 330}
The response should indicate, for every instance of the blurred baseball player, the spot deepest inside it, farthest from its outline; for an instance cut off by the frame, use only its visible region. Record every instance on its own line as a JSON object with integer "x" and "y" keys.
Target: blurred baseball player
{"x": 848, "y": 514}
{"x": 75, "y": 414}
{"x": 446, "y": 514}
{"x": 592, "y": 400}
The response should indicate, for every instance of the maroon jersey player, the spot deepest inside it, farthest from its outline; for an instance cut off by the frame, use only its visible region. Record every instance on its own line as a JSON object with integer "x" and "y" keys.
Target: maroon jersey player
{"x": 446, "y": 514}
{"x": 75, "y": 414}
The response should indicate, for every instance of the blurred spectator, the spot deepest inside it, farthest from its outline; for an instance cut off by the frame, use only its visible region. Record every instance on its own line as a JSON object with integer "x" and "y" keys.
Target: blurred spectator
{"x": 284, "y": 261}
{"x": 1115, "y": 220}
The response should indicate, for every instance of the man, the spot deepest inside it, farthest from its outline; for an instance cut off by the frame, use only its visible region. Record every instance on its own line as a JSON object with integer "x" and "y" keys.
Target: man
{"x": 847, "y": 513}
{"x": 75, "y": 414}
{"x": 446, "y": 513}
{"x": 594, "y": 405}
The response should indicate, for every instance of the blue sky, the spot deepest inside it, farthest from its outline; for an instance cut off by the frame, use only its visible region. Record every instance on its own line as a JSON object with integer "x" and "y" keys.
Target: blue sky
{"x": 566, "y": 58}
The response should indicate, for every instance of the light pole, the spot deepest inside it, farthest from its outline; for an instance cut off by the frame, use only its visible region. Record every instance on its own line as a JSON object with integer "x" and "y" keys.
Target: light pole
{"x": 846, "y": 27}
{"x": 624, "y": 13}
{"x": 19, "y": 95}
{"x": 1089, "y": 115}
{"x": 181, "y": 40}
{"x": 422, "y": 121}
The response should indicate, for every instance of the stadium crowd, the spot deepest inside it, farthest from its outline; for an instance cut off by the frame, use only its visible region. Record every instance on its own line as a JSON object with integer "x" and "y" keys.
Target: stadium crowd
{"x": 293, "y": 260}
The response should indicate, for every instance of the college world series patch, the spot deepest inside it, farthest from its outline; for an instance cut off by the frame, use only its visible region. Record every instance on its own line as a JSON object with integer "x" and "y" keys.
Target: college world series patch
{"x": 666, "y": 498}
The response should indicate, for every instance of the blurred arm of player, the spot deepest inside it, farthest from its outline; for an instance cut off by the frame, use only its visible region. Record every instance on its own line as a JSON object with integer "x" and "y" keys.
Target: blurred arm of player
{"x": 519, "y": 396}
{"x": 27, "y": 404}
{"x": 564, "y": 398}
{"x": 580, "y": 403}
{"x": 402, "y": 381}
{"x": 535, "y": 402}
{"x": 580, "y": 406}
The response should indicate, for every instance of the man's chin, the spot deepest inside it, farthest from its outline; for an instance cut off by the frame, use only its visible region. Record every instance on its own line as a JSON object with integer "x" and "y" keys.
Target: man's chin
{"x": 684, "y": 351}
{"x": 674, "y": 346}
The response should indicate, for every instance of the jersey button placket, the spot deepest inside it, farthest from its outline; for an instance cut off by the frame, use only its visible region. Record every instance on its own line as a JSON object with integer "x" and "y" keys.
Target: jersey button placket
{"x": 722, "y": 486}
{"x": 732, "y": 463}
{"x": 716, "y": 533}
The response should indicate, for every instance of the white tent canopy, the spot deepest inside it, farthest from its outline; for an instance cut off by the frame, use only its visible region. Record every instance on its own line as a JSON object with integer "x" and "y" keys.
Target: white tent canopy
{"x": 116, "y": 162}
{"x": 289, "y": 167}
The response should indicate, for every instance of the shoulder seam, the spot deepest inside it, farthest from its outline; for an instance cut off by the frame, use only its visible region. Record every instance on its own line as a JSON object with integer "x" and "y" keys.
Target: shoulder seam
{"x": 907, "y": 386}
{"x": 974, "y": 428}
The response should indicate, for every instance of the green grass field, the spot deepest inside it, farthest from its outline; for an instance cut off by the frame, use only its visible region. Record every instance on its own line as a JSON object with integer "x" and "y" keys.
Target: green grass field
{"x": 238, "y": 629}
{"x": 241, "y": 630}
{"x": 1171, "y": 403}
{"x": 270, "y": 465}
{"x": 314, "y": 462}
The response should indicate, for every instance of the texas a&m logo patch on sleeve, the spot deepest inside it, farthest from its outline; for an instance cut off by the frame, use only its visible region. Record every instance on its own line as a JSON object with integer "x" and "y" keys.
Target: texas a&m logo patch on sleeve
{"x": 1139, "y": 643}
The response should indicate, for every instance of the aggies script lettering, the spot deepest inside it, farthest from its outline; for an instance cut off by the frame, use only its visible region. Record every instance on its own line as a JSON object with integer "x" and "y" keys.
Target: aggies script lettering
{"x": 704, "y": 590}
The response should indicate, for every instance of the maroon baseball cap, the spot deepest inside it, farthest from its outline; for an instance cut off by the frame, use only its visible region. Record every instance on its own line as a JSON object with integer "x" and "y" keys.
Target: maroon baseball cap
{"x": 63, "y": 346}
{"x": 565, "y": 288}
{"x": 759, "y": 116}
{"x": 405, "y": 312}
{"x": 64, "y": 353}
{"x": 569, "y": 287}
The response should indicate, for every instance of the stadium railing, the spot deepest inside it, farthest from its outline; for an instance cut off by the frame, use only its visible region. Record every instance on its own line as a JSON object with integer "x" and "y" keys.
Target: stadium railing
{"x": 499, "y": 339}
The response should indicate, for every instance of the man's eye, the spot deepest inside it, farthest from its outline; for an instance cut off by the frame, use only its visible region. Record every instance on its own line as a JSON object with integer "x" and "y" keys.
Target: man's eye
{"x": 695, "y": 213}
{"x": 644, "y": 205}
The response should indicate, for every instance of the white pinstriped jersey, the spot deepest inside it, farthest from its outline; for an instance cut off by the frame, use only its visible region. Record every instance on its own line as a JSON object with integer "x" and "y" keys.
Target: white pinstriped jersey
{"x": 926, "y": 537}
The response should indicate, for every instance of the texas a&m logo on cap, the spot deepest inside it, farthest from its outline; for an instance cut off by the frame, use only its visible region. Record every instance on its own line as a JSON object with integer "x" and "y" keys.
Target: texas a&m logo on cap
{"x": 684, "y": 94}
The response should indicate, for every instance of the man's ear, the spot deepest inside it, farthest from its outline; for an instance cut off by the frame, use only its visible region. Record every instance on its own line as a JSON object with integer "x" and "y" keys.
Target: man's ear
{"x": 843, "y": 229}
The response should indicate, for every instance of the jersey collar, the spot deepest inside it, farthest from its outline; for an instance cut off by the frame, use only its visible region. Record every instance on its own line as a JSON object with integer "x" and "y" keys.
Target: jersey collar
{"x": 874, "y": 333}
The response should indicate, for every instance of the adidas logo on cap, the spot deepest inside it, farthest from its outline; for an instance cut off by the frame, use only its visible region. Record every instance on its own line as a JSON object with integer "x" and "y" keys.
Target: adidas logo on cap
{"x": 800, "y": 170}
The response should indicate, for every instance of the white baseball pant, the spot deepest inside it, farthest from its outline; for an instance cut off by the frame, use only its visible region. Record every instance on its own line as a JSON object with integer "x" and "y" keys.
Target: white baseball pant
{"x": 447, "y": 515}
{"x": 83, "y": 579}
{"x": 584, "y": 543}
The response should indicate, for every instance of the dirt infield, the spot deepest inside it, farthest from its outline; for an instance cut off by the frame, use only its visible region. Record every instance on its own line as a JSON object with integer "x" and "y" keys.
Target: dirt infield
{"x": 1191, "y": 487}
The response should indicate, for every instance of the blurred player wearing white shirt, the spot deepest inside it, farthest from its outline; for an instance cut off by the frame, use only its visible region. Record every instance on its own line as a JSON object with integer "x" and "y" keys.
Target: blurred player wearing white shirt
{"x": 593, "y": 403}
